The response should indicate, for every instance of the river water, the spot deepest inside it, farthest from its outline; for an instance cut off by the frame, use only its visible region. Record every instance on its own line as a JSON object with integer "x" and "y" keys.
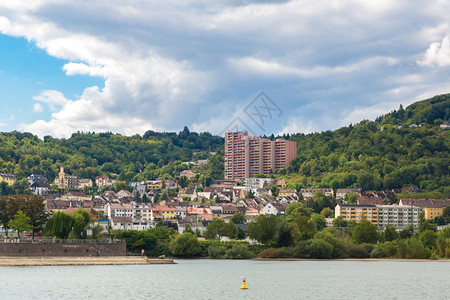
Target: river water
{"x": 221, "y": 279}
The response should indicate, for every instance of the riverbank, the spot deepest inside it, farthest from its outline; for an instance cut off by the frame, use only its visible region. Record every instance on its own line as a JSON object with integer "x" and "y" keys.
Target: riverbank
{"x": 81, "y": 261}
{"x": 352, "y": 259}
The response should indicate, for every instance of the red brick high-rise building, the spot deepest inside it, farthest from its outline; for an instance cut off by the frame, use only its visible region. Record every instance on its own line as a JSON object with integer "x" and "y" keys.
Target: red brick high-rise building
{"x": 246, "y": 156}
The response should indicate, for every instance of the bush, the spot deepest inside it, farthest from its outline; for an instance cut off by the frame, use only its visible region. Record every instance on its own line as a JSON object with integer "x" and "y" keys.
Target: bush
{"x": 428, "y": 238}
{"x": 413, "y": 248}
{"x": 302, "y": 249}
{"x": 161, "y": 249}
{"x": 386, "y": 250}
{"x": 443, "y": 246}
{"x": 238, "y": 251}
{"x": 284, "y": 252}
{"x": 217, "y": 251}
{"x": 339, "y": 249}
{"x": 359, "y": 251}
{"x": 185, "y": 244}
{"x": 320, "y": 249}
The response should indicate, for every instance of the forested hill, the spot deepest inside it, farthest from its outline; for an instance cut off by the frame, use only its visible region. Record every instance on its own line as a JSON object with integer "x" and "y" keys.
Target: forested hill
{"x": 380, "y": 154}
{"x": 372, "y": 154}
{"x": 88, "y": 155}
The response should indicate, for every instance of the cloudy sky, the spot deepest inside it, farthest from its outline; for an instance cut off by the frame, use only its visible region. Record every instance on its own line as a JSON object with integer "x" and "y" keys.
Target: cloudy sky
{"x": 130, "y": 66}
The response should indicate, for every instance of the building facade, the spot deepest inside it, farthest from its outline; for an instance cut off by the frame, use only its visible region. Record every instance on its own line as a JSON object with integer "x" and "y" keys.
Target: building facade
{"x": 246, "y": 156}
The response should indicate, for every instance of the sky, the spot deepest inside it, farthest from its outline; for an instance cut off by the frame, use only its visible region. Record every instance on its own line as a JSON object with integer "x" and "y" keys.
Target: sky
{"x": 262, "y": 66}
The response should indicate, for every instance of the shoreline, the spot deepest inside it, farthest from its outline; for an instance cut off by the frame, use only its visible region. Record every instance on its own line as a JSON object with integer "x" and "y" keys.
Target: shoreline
{"x": 354, "y": 259}
{"x": 10, "y": 261}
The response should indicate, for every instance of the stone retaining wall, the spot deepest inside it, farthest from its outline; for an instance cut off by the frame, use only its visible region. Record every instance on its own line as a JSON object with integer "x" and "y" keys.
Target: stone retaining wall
{"x": 62, "y": 249}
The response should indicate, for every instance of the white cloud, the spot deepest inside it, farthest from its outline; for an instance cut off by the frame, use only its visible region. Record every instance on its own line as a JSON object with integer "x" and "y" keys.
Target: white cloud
{"x": 196, "y": 62}
{"x": 37, "y": 107}
{"x": 438, "y": 54}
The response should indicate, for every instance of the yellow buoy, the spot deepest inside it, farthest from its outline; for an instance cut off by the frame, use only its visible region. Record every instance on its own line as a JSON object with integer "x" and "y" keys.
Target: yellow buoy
{"x": 244, "y": 285}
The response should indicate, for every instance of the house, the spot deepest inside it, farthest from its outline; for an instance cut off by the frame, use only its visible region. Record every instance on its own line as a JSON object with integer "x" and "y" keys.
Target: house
{"x": 8, "y": 178}
{"x": 187, "y": 173}
{"x": 154, "y": 185}
{"x": 104, "y": 180}
{"x": 76, "y": 195}
{"x": 341, "y": 193}
{"x": 281, "y": 183}
{"x": 180, "y": 212}
{"x": 39, "y": 188}
{"x": 444, "y": 125}
{"x": 273, "y": 209}
{"x": 37, "y": 178}
{"x": 141, "y": 188}
{"x": 367, "y": 200}
{"x": 431, "y": 207}
{"x": 256, "y": 183}
{"x": 123, "y": 194}
{"x": 187, "y": 193}
{"x": 119, "y": 210}
{"x": 411, "y": 189}
{"x": 286, "y": 192}
{"x": 121, "y": 223}
{"x": 84, "y": 182}
{"x": 310, "y": 192}
{"x": 170, "y": 184}
{"x": 198, "y": 214}
{"x": 167, "y": 212}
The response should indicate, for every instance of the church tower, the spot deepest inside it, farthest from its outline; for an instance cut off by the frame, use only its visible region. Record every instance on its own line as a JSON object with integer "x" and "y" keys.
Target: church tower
{"x": 62, "y": 178}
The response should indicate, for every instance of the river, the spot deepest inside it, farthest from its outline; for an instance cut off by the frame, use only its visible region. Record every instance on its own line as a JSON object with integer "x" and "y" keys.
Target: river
{"x": 221, "y": 279}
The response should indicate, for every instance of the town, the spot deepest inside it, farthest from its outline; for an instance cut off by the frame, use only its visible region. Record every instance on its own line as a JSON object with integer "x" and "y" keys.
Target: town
{"x": 248, "y": 189}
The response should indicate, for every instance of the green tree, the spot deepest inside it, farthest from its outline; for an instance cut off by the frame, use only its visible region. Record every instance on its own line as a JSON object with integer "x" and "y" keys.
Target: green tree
{"x": 428, "y": 238}
{"x": 185, "y": 244}
{"x": 263, "y": 229}
{"x": 219, "y": 228}
{"x": 319, "y": 221}
{"x": 97, "y": 231}
{"x": 20, "y": 223}
{"x": 365, "y": 232}
{"x": 183, "y": 182}
{"x": 59, "y": 225}
{"x": 327, "y": 212}
{"x": 390, "y": 234}
{"x": 424, "y": 224}
{"x": 238, "y": 218}
{"x": 340, "y": 222}
{"x": 82, "y": 219}
{"x": 34, "y": 207}
{"x": 351, "y": 198}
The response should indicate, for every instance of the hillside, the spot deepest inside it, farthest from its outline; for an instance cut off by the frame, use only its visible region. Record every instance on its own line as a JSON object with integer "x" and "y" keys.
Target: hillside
{"x": 90, "y": 154}
{"x": 378, "y": 154}
{"x": 372, "y": 154}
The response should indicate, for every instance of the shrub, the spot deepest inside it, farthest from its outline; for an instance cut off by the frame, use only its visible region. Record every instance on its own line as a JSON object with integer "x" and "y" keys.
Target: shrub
{"x": 388, "y": 249}
{"x": 358, "y": 251}
{"x": 413, "y": 248}
{"x": 320, "y": 249}
{"x": 185, "y": 244}
{"x": 284, "y": 252}
{"x": 428, "y": 238}
{"x": 238, "y": 251}
{"x": 301, "y": 250}
{"x": 216, "y": 251}
{"x": 339, "y": 249}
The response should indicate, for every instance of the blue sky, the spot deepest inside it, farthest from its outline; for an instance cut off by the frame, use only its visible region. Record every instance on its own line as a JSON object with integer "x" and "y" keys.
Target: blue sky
{"x": 128, "y": 67}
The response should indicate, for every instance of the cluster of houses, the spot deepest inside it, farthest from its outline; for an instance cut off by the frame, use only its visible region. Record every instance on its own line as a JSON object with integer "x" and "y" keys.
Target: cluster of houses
{"x": 198, "y": 206}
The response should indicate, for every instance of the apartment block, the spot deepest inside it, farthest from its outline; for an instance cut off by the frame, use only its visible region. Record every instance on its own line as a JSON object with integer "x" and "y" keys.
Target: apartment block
{"x": 246, "y": 156}
{"x": 357, "y": 213}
